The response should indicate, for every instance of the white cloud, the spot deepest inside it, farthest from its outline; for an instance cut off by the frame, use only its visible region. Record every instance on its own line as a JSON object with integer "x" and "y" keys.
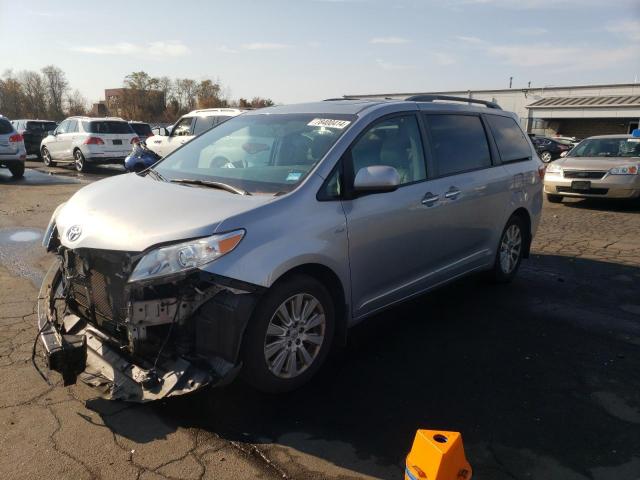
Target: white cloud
{"x": 392, "y": 66}
{"x": 389, "y": 40}
{"x": 226, "y": 49}
{"x": 444, "y": 59}
{"x": 562, "y": 58}
{"x": 531, "y": 31}
{"x": 629, "y": 29}
{"x": 155, "y": 49}
{"x": 471, "y": 40}
{"x": 265, "y": 46}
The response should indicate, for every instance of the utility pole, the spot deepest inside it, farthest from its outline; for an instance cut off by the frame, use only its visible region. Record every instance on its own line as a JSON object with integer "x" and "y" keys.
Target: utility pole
{"x": 510, "y": 82}
{"x": 529, "y": 84}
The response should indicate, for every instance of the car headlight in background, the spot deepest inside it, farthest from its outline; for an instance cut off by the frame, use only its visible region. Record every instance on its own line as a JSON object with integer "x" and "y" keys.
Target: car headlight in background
{"x": 185, "y": 256}
{"x": 624, "y": 170}
{"x": 553, "y": 168}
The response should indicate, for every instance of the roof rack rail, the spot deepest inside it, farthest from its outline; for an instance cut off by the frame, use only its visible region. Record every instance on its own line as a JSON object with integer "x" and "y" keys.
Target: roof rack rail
{"x": 431, "y": 98}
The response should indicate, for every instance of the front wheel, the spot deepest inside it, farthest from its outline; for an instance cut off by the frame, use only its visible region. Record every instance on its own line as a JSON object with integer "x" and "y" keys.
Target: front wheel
{"x": 289, "y": 336}
{"x": 46, "y": 157}
{"x": 510, "y": 250}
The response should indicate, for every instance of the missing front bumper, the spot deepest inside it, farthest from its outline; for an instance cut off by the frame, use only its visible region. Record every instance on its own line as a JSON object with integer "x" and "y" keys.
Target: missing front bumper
{"x": 76, "y": 349}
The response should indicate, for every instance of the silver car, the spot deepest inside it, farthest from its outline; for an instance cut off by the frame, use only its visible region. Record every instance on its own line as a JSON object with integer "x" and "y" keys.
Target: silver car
{"x": 253, "y": 248}
{"x": 606, "y": 166}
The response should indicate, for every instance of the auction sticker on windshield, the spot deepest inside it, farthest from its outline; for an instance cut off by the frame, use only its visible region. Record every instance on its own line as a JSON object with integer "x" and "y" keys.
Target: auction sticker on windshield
{"x": 329, "y": 123}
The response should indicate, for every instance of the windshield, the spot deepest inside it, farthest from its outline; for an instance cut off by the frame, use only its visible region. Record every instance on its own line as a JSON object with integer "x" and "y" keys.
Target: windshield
{"x": 264, "y": 153}
{"x": 607, "y": 147}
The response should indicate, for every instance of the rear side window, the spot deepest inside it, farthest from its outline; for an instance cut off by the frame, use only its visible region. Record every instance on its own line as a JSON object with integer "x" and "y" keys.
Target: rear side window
{"x": 202, "y": 124}
{"x": 108, "y": 126}
{"x": 73, "y": 126}
{"x": 5, "y": 126}
{"x": 509, "y": 138}
{"x": 142, "y": 129}
{"x": 459, "y": 143}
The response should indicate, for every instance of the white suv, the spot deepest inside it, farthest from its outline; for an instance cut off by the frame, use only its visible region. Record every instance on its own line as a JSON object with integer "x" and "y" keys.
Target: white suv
{"x": 189, "y": 126}
{"x": 85, "y": 140}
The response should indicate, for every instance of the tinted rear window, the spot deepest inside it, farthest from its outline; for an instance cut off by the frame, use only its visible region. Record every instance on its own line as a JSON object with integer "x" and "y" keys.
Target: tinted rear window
{"x": 107, "y": 127}
{"x": 510, "y": 140}
{"x": 5, "y": 126}
{"x": 41, "y": 126}
{"x": 141, "y": 129}
{"x": 459, "y": 143}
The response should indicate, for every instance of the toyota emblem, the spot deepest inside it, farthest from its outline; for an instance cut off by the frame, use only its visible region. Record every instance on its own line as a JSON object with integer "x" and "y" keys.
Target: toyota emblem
{"x": 74, "y": 233}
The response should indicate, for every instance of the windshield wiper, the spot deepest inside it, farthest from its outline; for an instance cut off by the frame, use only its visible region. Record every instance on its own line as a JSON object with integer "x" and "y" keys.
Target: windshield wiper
{"x": 155, "y": 173}
{"x": 208, "y": 183}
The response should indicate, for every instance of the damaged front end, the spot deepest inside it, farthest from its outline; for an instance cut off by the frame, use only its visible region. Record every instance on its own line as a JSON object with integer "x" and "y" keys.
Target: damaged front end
{"x": 140, "y": 341}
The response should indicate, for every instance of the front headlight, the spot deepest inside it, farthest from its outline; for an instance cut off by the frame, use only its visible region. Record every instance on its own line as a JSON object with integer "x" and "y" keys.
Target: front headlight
{"x": 553, "y": 168}
{"x": 185, "y": 256}
{"x": 624, "y": 170}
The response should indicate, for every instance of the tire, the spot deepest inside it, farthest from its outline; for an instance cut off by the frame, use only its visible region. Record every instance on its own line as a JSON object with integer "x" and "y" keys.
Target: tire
{"x": 545, "y": 156}
{"x": 17, "y": 170}
{"x": 46, "y": 157}
{"x": 79, "y": 161}
{"x": 279, "y": 357}
{"x": 510, "y": 250}
{"x": 554, "y": 198}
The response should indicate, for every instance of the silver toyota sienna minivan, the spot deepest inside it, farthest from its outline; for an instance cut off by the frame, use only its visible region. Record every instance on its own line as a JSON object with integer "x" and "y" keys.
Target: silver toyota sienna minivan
{"x": 252, "y": 249}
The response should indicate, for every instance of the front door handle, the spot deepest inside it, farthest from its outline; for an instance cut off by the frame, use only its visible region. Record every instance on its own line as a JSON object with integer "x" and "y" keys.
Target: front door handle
{"x": 452, "y": 194}
{"x": 430, "y": 199}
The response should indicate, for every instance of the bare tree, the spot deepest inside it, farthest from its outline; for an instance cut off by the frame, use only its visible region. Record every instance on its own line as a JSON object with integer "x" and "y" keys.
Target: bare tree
{"x": 186, "y": 92}
{"x": 210, "y": 95}
{"x": 77, "y": 104}
{"x": 57, "y": 86}
{"x": 11, "y": 96}
{"x": 35, "y": 94}
{"x": 255, "y": 102}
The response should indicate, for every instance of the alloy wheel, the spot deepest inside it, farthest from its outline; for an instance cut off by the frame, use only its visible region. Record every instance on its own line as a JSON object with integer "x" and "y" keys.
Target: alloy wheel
{"x": 510, "y": 247}
{"x": 79, "y": 160}
{"x": 294, "y": 336}
{"x": 46, "y": 157}
{"x": 545, "y": 157}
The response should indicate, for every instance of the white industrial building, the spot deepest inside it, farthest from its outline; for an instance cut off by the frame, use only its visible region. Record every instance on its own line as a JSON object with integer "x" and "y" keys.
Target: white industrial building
{"x": 576, "y": 111}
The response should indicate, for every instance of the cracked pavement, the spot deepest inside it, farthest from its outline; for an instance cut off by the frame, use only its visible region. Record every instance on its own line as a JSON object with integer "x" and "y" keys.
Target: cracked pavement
{"x": 540, "y": 376}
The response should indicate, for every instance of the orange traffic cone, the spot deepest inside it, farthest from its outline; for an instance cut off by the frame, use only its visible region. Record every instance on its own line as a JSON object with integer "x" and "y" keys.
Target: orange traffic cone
{"x": 437, "y": 455}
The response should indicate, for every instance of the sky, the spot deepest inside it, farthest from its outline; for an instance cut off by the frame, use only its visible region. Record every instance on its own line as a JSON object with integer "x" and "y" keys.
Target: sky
{"x": 304, "y": 50}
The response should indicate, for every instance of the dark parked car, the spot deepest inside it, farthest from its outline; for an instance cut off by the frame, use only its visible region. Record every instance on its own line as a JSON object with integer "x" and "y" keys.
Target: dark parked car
{"x": 548, "y": 149}
{"x": 33, "y": 131}
{"x": 143, "y": 130}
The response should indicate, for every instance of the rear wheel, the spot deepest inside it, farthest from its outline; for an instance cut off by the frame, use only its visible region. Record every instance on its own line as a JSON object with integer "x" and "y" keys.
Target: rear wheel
{"x": 510, "y": 250}
{"x": 554, "y": 198}
{"x": 289, "y": 336}
{"x": 79, "y": 161}
{"x": 46, "y": 157}
{"x": 17, "y": 170}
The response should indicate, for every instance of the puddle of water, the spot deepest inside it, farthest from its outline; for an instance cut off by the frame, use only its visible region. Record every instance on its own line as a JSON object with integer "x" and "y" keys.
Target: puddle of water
{"x": 24, "y": 236}
{"x": 19, "y": 250}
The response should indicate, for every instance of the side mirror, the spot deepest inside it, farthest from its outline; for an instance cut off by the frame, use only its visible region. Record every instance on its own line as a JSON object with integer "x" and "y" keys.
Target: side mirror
{"x": 564, "y": 154}
{"x": 376, "y": 178}
{"x": 51, "y": 132}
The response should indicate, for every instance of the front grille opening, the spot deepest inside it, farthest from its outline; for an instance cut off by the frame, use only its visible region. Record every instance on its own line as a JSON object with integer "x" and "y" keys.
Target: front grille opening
{"x": 589, "y": 191}
{"x": 587, "y": 174}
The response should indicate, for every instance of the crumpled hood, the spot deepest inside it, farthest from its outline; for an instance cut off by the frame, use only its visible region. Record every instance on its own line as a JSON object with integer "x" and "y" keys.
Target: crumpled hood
{"x": 595, "y": 163}
{"x": 133, "y": 213}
